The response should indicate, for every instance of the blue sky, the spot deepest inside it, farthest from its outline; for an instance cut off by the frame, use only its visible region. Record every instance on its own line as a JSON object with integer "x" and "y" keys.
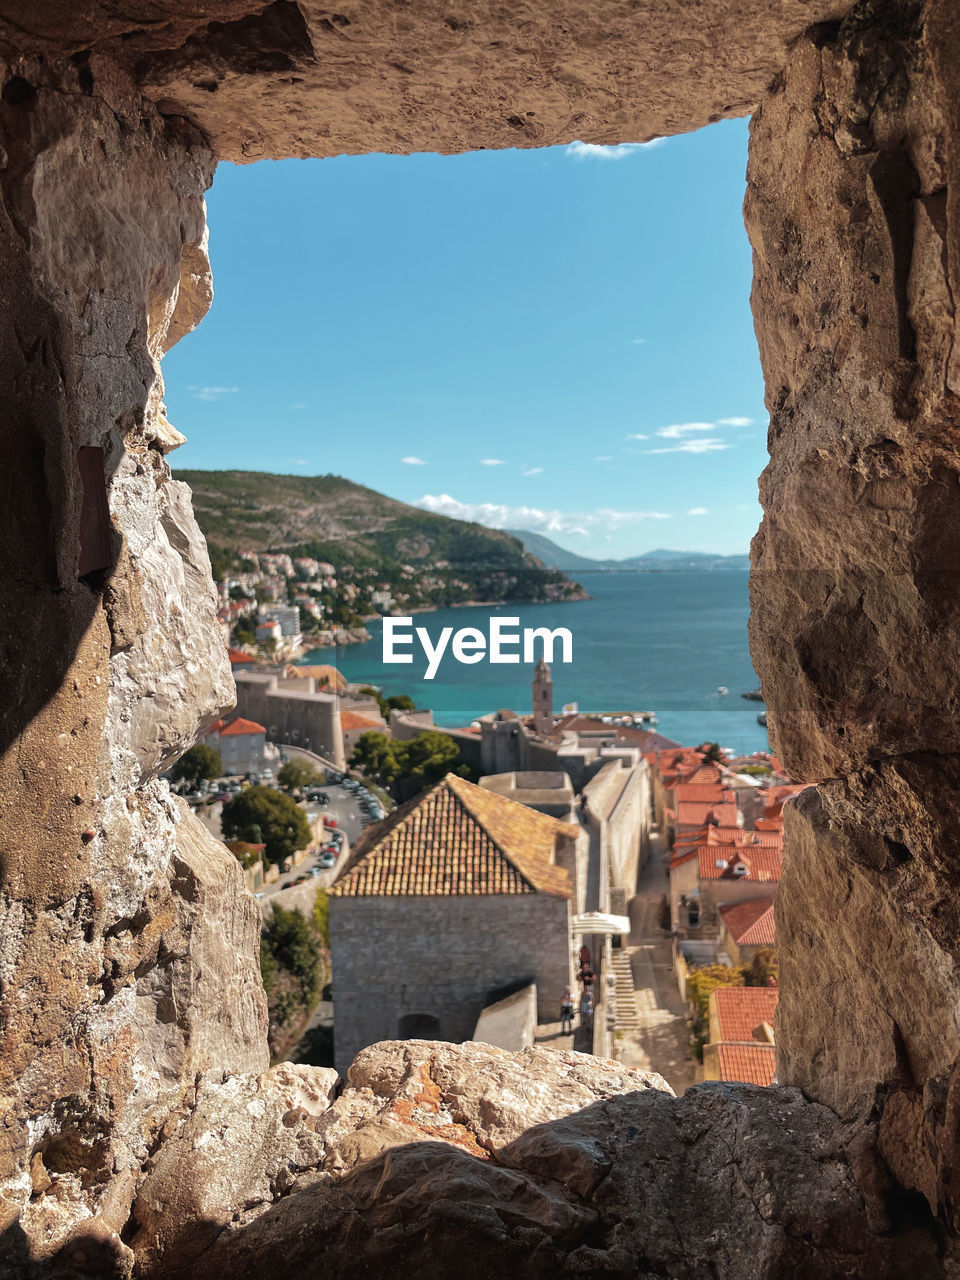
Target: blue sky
{"x": 558, "y": 340}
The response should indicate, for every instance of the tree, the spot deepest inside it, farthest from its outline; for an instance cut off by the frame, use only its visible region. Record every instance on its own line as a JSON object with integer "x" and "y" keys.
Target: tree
{"x": 198, "y": 763}
{"x": 426, "y": 759}
{"x": 375, "y": 754}
{"x": 400, "y": 702}
{"x": 298, "y": 773}
{"x": 764, "y": 969}
{"x": 294, "y": 945}
{"x": 711, "y": 751}
{"x": 283, "y": 825}
{"x": 700, "y": 982}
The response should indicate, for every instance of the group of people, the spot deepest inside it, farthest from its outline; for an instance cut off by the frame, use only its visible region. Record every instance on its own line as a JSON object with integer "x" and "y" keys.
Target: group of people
{"x": 586, "y": 977}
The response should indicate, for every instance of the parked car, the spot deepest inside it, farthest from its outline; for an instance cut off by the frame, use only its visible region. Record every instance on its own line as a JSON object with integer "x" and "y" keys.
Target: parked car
{"x": 314, "y": 871}
{"x": 329, "y": 822}
{"x": 300, "y": 879}
{"x": 332, "y": 849}
{"x": 327, "y": 861}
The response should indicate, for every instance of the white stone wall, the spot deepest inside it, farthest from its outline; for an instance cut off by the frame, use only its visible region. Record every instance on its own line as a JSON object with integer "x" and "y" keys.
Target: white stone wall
{"x": 442, "y": 956}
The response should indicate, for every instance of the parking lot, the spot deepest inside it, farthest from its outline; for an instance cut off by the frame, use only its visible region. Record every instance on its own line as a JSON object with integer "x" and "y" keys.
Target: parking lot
{"x": 350, "y": 808}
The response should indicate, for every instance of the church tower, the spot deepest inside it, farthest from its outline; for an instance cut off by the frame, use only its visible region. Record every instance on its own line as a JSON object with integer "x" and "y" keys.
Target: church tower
{"x": 542, "y": 699}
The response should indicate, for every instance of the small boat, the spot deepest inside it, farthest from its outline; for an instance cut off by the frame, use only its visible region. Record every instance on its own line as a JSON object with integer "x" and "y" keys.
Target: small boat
{"x": 762, "y": 719}
{"x": 722, "y": 690}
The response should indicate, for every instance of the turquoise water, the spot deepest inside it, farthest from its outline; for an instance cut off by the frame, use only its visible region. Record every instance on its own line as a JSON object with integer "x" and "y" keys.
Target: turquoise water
{"x": 659, "y": 642}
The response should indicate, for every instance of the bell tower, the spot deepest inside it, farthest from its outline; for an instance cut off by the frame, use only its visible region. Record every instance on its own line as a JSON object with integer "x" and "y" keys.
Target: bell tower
{"x": 542, "y": 699}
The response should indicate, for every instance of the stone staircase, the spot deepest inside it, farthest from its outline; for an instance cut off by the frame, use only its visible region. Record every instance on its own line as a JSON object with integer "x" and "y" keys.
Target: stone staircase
{"x": 625, "y": 1012}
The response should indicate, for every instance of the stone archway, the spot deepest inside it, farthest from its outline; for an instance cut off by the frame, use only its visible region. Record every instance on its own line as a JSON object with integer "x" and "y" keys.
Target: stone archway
{"x": 132, "y": 1012}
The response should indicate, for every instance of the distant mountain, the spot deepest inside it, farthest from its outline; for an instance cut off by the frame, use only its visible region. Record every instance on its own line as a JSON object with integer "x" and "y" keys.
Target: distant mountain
{"x": 552, "y": 556}
{"x": 347, "y": 524}
{"x": 555, "y": 557}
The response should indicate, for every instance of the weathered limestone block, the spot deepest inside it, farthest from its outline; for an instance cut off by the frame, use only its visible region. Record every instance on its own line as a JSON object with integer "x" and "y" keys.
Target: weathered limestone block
{"x": 169, "y": 678}
{"x": 128, "y": 945}
{"x": 868, "y": 923}
{"x": 855, "y": 158}
{"x": 427, "y": 1165}
{"x": 284, "y": 78}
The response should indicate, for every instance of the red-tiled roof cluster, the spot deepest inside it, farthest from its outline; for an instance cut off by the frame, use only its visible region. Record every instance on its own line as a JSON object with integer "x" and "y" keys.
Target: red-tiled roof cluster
{"x": 741, "y": 1020}
{"x": 750, "y": 924}
{"x": 712, "y": 812}
{"x": 237, "y": 656}
{"x": 458, "y": 839}
{"x": 762, "y": 864}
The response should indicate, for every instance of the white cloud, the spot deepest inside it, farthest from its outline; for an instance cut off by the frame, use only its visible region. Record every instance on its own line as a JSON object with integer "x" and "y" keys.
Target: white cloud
{"x": 712, "y": 445}
{"x": 680, "y": 429}
{"x": 536, "y": 519}
{"x": 734, "y": 422}
{"x": 212, "y": 393}
{"x": 414, "y": 462}
{"x": 532, "y": 471}
{"x": 698, "y": 511}
{"x": 300, "y": 404}
{"x": 299, "y": 462}
{"x": 592, "y": 151}
{"x": 604, "y": 457}
{"x": 491, "y": 462}
{"x": 637, "y": 342}
{"x": 636, "y": 435}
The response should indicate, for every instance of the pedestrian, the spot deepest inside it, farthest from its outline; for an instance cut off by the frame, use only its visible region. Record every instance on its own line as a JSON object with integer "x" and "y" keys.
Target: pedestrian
{"x": 566, "y": 1012}
{"x": 586, "y": 1008}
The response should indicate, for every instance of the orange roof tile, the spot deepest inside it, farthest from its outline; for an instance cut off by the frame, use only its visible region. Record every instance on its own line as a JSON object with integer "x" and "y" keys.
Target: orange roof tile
{"x": 742, "y": 1011}
{"x": 239, "y": 726}
{"x": 762, "y": 864}
{"x": 354, "y": 720}
{"x": 321, "y": 672}
{"x": 457, "y": 839}
{"x": 704, "y": 793}
{"x": 747, "y": 1063}
{"x": 696, "y": 814}
{"x": 237, "y": 656}
{"x": 750, "y": 923}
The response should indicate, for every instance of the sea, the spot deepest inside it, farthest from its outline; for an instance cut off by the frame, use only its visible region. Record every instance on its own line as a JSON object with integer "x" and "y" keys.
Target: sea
{"x": 665, "y": 642}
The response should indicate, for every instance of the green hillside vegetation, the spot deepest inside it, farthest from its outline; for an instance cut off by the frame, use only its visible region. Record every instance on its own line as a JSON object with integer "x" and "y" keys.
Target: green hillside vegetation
{"x": 362, "y": 532}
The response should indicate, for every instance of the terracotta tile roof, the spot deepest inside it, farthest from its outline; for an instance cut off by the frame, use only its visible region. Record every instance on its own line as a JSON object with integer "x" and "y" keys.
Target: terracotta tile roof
{"x": 748, "y": 1063}
{"x": 646, "y": 739}
{"x": 457, "y": 839}
{"x": 750, "y": 923}
{"x": 742, "y": 1011}
{"x": 696, "y": 814}
{"x": 354, "y": 720}
{"x": 762, "y": 864}
{"x": 237, "y": 656}
{"x": 762, "y": 840}
{"x": 320, "y": 673}
{"x": 239, "y": 726}
{"x": 709, "y": 835}
{"x": 704, "y": 793}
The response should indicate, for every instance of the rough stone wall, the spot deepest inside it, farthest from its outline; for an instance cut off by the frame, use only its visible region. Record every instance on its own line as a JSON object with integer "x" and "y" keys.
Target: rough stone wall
{"x": 283, "y": 78}
{"x": 127, "y": 946}
{"x": 442, "y": 956}
{"x": 853, "y": 207}
{"x": 132, "y": 1015}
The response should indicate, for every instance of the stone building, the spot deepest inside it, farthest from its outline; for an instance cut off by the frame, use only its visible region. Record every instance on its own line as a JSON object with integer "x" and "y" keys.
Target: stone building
{"x": 241, "y": 744}
{"x": 293, "y": 711}
{"x": 542, "y": 699}
{"x": 454, "y": 897}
